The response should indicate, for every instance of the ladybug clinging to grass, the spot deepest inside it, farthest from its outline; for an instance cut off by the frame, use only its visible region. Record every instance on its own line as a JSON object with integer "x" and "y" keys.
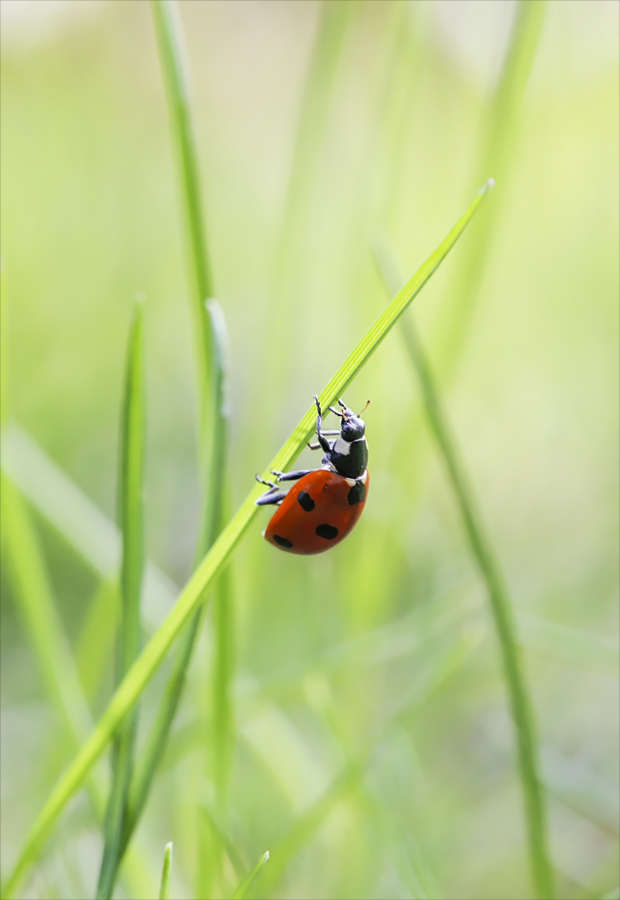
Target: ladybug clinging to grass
{"x": 324, "y": 505}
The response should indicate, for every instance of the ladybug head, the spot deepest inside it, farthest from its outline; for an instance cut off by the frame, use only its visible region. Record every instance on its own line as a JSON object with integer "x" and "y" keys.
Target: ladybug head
{"x": 353, "y": 427}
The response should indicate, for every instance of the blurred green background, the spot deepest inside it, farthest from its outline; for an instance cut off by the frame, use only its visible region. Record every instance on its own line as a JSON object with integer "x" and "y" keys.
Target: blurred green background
{"x": 324, "y": 129}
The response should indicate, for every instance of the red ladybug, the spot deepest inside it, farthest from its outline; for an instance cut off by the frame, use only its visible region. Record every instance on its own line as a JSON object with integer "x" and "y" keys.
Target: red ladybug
{"x": 324, "y": 505}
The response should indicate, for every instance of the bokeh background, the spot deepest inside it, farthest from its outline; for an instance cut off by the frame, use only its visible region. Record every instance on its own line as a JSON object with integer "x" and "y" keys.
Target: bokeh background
{"x": 325, "y": 130}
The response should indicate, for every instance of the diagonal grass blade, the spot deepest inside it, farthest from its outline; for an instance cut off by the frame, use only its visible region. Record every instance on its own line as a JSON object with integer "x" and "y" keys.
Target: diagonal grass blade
{"x": 191, "y": 596}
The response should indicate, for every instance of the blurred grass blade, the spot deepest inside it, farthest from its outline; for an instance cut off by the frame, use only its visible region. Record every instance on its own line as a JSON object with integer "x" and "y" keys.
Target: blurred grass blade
{"x": 97, "y": 638}
{"x": 499, "y": 145}
{"x": 35, "y": 603}
{"x": 490, "y": 570}
{"x": 79, "y": 521}
{"x": 164, "y": 887}
{"x": 131, "y": 516}
{"x": 577, "y": 647}
{"x": 613, "y": 895}
{"x": 193, "y": 593}
{"x": 334, "y": 23}
{"x": 247, "y": 883}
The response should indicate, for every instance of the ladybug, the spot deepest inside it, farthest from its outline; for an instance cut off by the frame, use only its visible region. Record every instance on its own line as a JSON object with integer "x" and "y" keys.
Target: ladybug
{"x": 322, "y": 508}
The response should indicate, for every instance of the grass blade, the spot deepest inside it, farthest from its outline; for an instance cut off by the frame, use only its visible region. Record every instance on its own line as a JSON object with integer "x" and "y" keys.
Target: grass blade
{"x": 79, "y": 521}
{"x": 164, "y": 887}
{"x": 34, "y": 601}
{"x": 131, "y": 516}
{"x": 247, "y": 882}
{"x": 490, "y": 570}
{"x": 193, "y": 593}
{"x": 211, "y": 354}
{"x": 499, "y": 143}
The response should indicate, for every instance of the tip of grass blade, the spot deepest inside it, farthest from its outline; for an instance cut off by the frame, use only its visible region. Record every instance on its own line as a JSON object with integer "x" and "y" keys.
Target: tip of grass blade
{"x": 247, "y": 882}
{"x": 164, "y": 888}
{"x": 488, "y": 186}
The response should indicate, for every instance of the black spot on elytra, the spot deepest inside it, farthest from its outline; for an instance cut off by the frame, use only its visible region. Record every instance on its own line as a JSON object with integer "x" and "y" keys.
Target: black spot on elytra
{"x": 281, "y": 541}
{"x": 305, "y": 501}
{"x": 357, "y": 494}
{"x": 329, "y": 532}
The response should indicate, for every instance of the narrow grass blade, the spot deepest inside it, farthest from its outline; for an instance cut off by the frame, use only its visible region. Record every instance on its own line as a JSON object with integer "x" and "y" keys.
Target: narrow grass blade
{"x": 27, "y": 574}
{"x": 210, "y": 326}
{"x": 172, "y": 55}
{"x": 131, "y": 516}
{"x": 490, "y": 570}
{"x": 499, "y": 144}
{"x": 247, "y": 883}
{"x": 193, "y": 593}
{"x": 164, "y": 887}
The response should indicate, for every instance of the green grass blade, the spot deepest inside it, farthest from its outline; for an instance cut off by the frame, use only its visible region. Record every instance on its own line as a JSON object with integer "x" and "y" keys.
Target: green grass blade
{"x": 490, "y": 570}
{"x": 172, "y": 54}
{"x": 156, "y": 741}
{"x": 164, "y": 887}
{"x": 211, "y": 354}
{"x": 35, "y": 603}
{"x": 193, "y": 593}
{"x": 499, "y": 143}
{"x": 131, "y": 516}
{"x": 80, "y": 522}
{"x": 613, "y": 895}
{"x": 247, "y": 883}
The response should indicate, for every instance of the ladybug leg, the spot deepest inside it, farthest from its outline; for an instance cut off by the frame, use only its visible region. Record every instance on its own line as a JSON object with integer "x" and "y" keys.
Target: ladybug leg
{"x": 291, "y": 476}
{"x": 272, "y": 496}
{"x": 323, "y": 442}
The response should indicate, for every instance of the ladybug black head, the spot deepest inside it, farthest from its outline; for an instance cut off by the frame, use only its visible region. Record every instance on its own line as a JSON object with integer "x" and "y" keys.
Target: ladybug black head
{"x": 353, "y": 427}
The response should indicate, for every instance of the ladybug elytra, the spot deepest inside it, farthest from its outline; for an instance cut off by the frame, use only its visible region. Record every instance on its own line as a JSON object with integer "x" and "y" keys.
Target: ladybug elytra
{"x": 323, "y": 507}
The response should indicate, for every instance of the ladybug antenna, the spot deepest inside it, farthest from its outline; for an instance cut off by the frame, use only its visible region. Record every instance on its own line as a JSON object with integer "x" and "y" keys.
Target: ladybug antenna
{"x": 365, "y": 408}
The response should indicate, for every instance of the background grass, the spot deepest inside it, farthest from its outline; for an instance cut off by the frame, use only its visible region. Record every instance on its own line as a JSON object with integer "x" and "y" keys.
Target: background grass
{"x": 372, "y": 740}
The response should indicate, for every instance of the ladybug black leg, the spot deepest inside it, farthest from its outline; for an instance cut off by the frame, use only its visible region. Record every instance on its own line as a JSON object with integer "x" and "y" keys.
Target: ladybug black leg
{"x": 291, "y": 476}
{"x": 272, "y": 496}
{"x": 323, "y": 442}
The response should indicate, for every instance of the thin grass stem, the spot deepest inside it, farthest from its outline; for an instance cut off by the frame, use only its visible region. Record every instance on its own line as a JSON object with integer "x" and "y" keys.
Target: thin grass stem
{"x": 194, "y": 591}
{"x": 131, "y": 521}
{"x": 491, "y": 572}
{"x": 211, "y": 358}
